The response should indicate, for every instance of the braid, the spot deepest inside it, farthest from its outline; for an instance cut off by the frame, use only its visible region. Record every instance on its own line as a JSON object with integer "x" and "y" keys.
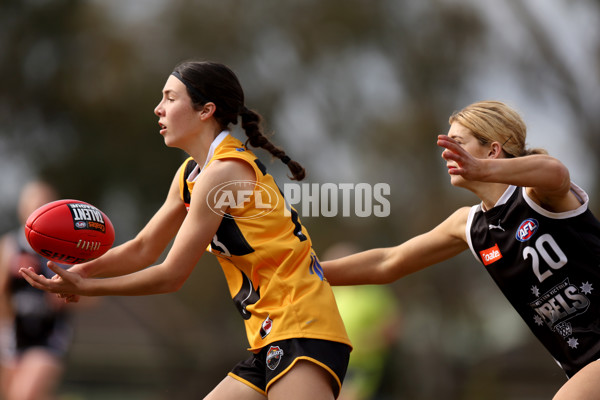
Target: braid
{"x": 251, "y": 125}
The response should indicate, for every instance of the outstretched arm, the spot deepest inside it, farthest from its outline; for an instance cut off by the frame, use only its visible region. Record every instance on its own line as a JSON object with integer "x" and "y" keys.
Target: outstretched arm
{"x": 546, "y": 178}
{"x": 194, "y": 235}
{"x": 385, "y": 265}
{"x": 147, "y": 245}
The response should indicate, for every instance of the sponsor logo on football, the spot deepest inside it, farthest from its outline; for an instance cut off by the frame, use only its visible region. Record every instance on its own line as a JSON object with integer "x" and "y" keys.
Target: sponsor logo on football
{"x": 61, "y": 258}
{"x": 490, "y": 255}
{"x": 266, "y": 327}
{"x": 274, "y": 356}
{"x": 86, "y": 216}
{"x": 527, "y": 229}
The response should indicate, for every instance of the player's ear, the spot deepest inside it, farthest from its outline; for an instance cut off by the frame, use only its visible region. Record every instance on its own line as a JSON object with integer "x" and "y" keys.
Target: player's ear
{"x": 495, "y": 150}
{"x": 208, "y": 110}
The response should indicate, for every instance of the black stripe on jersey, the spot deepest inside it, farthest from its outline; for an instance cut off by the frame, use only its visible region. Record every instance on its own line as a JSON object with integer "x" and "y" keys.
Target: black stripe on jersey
{"x": 297, "y": 226}
{"x": 189, "y": 167}
{"x": 295, "y": 219}
{"x": 230, "y": 239}
{"x": 246, "y": 296}
{"x": 261, "y": 166}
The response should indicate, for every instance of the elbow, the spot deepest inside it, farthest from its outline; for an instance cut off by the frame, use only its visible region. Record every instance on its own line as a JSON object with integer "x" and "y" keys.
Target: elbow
{"x": 177, "y": 284}
{"x": 146, "y": 253}
{"x": 167, "y": 280}
{"x": 402, "y": 260}
{"x": 389, "y": 271}
{"x": 561, "y": 176}
{"x": 387, "y": 277}
{"x": 172, "y": 285}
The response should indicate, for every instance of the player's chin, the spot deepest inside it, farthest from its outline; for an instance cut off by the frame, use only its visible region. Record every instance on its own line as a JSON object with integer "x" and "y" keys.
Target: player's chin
{"x": 169, "y": 142}
{"x": 457, "y": 180}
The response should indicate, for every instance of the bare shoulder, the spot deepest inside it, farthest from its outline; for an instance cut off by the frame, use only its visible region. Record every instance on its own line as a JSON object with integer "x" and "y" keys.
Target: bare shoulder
{"x": 230, "y": 169}
{"x": 456, "y": 223}
{"x": 554, "y": 193}
{"x": 557, "y": 203}
{"x": 461, "y": 215}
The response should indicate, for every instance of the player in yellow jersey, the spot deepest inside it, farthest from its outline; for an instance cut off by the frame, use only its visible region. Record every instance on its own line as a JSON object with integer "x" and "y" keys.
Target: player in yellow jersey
{"x": 222, "y": 199}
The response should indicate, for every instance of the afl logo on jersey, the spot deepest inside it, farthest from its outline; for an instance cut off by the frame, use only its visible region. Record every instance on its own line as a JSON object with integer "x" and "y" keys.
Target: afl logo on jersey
{"x": 526, "y": 230}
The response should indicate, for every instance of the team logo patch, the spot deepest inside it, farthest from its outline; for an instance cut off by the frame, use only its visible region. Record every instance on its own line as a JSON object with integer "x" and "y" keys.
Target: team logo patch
{"x": 274, "y": 356}
{"x": 266, "y": 327}
{"x": 490, "y": 255}
{"x": 564, "y": 328}
{"x": 527, "y": 229}
{"x": 558, "y": 305}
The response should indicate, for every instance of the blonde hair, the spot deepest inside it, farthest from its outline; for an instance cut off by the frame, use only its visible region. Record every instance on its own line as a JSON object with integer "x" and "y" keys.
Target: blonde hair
{"x": 494, "y": 121}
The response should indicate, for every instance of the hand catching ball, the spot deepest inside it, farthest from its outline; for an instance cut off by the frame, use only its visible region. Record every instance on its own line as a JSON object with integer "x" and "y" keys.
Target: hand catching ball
{"x": 69, "y": 231}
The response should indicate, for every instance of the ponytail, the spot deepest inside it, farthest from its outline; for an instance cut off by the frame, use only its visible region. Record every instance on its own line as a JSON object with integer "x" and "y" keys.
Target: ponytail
{"x": 251, "y": 125}
{"x": 529, "y": 152}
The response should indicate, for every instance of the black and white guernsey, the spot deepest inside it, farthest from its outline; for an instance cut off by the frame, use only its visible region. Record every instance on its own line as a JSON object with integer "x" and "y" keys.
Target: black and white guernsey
{"x": 548, "y": 266}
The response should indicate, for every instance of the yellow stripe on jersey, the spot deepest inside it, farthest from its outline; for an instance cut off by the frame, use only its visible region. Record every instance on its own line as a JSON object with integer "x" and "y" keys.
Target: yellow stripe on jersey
{"x": 273, "y": 274}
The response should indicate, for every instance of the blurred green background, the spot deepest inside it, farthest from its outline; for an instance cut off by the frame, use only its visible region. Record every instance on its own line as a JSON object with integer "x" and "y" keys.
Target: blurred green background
{"x": 356, "y": 90}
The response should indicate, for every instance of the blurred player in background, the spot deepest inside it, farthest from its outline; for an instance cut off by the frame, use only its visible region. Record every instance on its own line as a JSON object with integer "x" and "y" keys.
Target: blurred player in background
{"x": 533, "y": 233}
{"x": 372, "y": 317}
{"x": 35, "y": 330}
{"x": 223, "y": 199}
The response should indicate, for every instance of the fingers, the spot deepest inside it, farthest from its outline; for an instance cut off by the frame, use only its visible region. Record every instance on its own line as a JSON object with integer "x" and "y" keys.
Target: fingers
{"x": 68, "y": 298}
{"x": 449, "y": 143}
{"x": 56, "y": 269}
{"x": 35, "y": 280}
{"x": 450, "y": 155}
{"x": 49, "y": 285}
{"x": 444, "y": 140}
{"x": 72, "y": 298}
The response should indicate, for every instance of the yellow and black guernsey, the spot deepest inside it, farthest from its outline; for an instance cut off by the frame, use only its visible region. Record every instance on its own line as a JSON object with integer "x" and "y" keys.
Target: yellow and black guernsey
{"x": 273, "y": 274}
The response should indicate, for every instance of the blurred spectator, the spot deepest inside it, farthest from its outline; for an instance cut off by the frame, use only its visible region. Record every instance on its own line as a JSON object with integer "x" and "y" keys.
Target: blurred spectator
{"x": 35, "y": 331}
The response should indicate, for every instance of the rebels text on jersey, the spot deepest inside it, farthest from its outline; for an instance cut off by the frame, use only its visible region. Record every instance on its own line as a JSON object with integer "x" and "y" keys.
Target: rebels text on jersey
{"x": 547, "y": 265}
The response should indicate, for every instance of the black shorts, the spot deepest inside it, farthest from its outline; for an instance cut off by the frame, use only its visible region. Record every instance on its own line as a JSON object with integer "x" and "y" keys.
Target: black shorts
{"x": 274, "y": 360}
{"x": 55, "y": 336}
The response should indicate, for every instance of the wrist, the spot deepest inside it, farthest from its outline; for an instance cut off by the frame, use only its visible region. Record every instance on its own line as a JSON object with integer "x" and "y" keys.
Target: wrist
{"x": 81, "y": 269}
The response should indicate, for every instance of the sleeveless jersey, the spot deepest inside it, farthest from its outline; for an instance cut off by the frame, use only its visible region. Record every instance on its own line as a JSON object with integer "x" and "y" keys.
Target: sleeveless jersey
{"x": 272, "y": 272}
{"x": 547, "y": 265}
{"x": 37, "y": 322}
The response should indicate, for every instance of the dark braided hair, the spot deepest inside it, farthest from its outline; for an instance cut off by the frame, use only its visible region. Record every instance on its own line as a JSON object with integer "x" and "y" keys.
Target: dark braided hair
{"x": 251, "y": 125}
{"x": 216, "y": 83}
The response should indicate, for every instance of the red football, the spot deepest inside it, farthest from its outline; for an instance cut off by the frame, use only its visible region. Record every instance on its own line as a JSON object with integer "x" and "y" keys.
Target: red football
{"x": 69, "y": 231}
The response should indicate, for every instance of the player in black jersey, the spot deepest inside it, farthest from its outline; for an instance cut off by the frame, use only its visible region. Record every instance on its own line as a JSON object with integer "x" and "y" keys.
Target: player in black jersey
{"x": 532, "y": 231}
{"x": 35, "y": 327}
